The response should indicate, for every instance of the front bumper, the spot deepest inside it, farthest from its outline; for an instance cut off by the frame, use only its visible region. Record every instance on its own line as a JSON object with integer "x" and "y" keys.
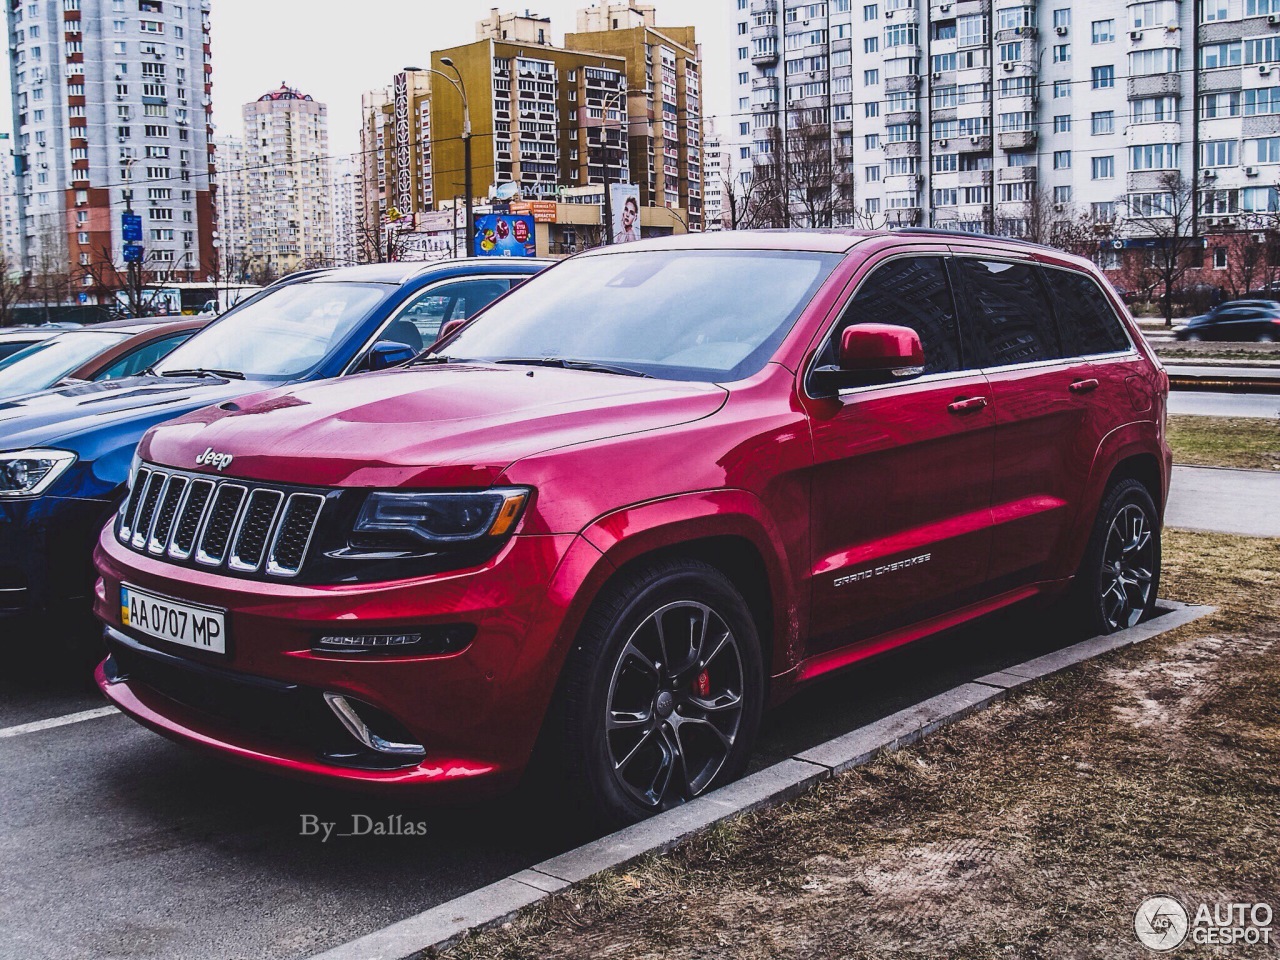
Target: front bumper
{"x": 46, "y": 550}
{"x": 476, "y": 712}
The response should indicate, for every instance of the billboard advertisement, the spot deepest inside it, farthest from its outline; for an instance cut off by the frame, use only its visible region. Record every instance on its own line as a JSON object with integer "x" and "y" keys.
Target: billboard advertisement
{"x": 505, "y": 235}
{"x": 625, "y": 198}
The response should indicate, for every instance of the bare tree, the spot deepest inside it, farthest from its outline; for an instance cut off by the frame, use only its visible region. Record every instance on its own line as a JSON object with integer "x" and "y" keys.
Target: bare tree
{"x": 798, "y": 182}
{"x": 1163, "y": 221}
{"x": 13, "y": 290}
{"x": 742, "y": 207}
{"x": 140, "y": 297}
{"x": 49, "y": 279}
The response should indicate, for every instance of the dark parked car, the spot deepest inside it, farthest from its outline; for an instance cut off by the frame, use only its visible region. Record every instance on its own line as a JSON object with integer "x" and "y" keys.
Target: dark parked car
{"x": 659, "y": 486}
{"x": 105, "y": 351}
{"x": 1257, "y": 320}
{"x": 13, "y": 339}
{"x": 65, "y": 453}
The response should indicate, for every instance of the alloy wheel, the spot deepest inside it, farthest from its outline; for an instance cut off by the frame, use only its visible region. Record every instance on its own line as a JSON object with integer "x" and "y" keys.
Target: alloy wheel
{"x": 675, "y": 704}
{"x": 1128, "y": 562}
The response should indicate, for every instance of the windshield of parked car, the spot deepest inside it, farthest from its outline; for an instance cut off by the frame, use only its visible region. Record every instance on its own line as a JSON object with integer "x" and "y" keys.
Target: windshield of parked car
{"x": 711, "y": 315}
{"x": 43, "y": 364}
{"x": 285, "y": 334}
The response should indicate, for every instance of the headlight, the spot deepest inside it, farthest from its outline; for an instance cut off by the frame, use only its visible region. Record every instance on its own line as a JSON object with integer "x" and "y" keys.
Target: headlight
{"x": 29, "y": 473}
{"x": 413, "y": 522}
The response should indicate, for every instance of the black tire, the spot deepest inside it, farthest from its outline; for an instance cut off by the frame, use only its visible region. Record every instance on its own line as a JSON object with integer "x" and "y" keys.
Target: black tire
{"x": 654, "y": 714}
{"x": 1119, "y": 577}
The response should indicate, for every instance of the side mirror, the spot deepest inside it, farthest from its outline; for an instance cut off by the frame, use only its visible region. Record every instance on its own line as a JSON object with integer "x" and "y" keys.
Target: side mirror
{"x": 388, "y": 353}
{"x": 872, "y": 353}
{"x": 450, "y": 328}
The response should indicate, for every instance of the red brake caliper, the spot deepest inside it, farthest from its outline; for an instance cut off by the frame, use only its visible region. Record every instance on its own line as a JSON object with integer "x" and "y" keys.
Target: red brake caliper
{"x": 702, "y": 685}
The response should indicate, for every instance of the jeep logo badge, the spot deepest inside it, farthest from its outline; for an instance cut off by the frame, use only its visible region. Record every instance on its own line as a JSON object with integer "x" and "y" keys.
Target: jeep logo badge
{"x": 219, "y": 461}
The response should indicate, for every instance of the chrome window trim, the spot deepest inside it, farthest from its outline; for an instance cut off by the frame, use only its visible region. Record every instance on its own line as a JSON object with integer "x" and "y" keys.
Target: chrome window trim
{"x": 928, "y": 378}
{"x": 410, "y": 301}
{"x": 126, "y": 523}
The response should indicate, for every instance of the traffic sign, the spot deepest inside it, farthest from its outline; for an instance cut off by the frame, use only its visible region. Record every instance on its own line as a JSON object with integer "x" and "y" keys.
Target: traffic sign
{"x": 132, "y": 253}
{"x": 131, "y": 226}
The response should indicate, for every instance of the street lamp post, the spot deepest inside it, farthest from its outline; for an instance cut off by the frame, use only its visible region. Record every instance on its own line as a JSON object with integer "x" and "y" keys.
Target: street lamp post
{"x": 133, "y": 268}
{"x": 460, "y": 85}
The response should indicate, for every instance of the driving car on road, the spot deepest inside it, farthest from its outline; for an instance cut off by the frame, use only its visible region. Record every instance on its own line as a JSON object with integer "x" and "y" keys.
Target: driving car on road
{"x": 65, "y": 454}
{"x": 1256, "y": 320}
{"x": 104, "y": 351}
{"x": 657, "y": 487}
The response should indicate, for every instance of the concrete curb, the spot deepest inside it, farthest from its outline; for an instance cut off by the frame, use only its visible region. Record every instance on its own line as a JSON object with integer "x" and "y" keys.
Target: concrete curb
{"x": 495, "y": 904}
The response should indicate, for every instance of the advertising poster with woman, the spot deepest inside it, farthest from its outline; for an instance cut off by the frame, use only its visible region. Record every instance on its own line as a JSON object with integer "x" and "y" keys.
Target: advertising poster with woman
{"x": 625, "y": 198}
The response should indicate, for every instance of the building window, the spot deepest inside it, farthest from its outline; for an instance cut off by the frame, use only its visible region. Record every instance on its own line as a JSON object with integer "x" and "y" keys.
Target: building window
{"x": 1062, "y": 123}
{"x": 1062, "y": 160}
{"x": 1011, "y": 52}
{"x": 1062, "y": 194}
{"x": 1103, "y": 168}
{"x": 1104, "y": 212}
{"x": 871, "y": 11}
{"x": 1219, "y": 258}
{"x": 1061, "y": 52}
{"x": 1104, "y": 31}
{"x": 1146, "y": 63}
{"x": 872, "y": 109}
{"x": 1261, "y": 101}
{"x": 872, "y": 174}
{"x": 1062, "y": 18}
{"x": 1218, "y": 153}
{"x": 1215, "y": 10}
{"x": 870, "y": 44}
{"x": 1265, "y": 150}
{"x": 870, "y": 78}
{"x": 1103, "y": 78}
{"x": 1102, "y": 122}
{"x": 972, "y": 30}
{"x": 1154, "y": 156}
{"x": 1061, "y": 89}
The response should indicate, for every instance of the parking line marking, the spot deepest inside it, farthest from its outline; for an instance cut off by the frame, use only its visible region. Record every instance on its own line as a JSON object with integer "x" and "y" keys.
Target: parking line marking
{"x": 49, "y": 724}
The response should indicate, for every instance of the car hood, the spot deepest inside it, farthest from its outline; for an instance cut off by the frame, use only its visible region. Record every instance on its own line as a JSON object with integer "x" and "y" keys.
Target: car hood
{"x": 429, "y": 426}
{"x": 64, "y": 417}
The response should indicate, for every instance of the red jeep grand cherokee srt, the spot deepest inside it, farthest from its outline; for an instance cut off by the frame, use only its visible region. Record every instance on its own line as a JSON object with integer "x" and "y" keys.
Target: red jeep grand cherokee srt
{"x": 650, "y": 491}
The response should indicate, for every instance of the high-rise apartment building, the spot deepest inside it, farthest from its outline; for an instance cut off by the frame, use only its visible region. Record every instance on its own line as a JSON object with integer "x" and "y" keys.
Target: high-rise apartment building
{"x": 112, "y": 109}
{"x": 713, "y": 175}
{"x": 517, "y": 27}
{"x": 345, "y": 206}
{"x": 286, "y": 181}
{"x": 997, "y": 115}
{"x": 233, "y": 208}
{"x": 664, "y": 103}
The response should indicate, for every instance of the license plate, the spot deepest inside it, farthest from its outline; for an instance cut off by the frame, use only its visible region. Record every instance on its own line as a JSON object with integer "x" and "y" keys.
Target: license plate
{"x": 202, "y": 628}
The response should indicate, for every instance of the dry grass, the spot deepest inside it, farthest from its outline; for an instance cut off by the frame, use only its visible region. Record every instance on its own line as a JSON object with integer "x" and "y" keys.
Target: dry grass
{"x": 1030, "y": 830}
{"x": 1250, "y": 443}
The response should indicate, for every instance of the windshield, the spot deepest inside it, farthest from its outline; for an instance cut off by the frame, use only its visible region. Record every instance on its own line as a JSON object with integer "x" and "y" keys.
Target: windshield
{"x": 713, "y": 315}
{"x": 284, "y": 335}
{"x": 41, "y": 365}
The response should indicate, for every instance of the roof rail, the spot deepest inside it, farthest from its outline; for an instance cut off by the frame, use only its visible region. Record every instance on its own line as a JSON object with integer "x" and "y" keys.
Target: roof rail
{"x": 963, "y": 235}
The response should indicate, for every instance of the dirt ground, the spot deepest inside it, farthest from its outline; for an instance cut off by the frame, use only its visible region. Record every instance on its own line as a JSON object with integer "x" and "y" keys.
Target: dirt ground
{"x": 1030, "y": 830}
{"x": 1250, "y": 443}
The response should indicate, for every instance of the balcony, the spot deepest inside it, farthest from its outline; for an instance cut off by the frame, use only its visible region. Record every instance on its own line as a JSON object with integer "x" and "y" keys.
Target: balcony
{"x": 973, "y": 144}
{"x": 1157, "y": 85}
{"x": 764, "y": 6}
{"x": 974, "y": 178}
{"x": 1017, "y": 174}
{"x": 764, "y": 83}
{"x": 1017, "y": 139}
{"x": 902, "y": 148}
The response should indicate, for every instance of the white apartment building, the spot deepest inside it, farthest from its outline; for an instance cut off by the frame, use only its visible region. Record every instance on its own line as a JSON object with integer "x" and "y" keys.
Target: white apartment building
{"x": 287, "y": 181}
{"x": 112, "y": 105}
{"x": 983, "y": 115}
{"x": 713, "y": 171}
{"x": 346, "y": 213}
{"x": 10, "y": 232}
{"x": 233, "y": 207}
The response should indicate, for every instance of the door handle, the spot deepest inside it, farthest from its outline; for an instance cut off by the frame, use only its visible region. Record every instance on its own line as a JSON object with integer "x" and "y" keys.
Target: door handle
{"x": 967, "y": 405}
{"x": 1083, "y": 386}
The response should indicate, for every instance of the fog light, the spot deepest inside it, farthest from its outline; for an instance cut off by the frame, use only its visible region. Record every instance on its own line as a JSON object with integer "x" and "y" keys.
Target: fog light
{"x": 429, "y": 641}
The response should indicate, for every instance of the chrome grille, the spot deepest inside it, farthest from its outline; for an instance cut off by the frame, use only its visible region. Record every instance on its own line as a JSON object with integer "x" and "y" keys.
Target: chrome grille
{"x": 242, "y": 526}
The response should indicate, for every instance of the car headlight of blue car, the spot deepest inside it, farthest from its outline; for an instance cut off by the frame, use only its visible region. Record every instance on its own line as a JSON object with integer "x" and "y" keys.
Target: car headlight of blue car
{"x": 29, "y": 473}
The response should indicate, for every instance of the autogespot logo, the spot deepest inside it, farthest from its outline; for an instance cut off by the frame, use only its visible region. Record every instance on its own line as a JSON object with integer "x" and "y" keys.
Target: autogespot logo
{"x": 1161, "y": 923}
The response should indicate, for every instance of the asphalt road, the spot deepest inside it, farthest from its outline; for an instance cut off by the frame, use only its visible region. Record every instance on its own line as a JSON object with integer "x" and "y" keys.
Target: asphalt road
{"x": 1208, "y": 404}
{"x": 116, "y": 843}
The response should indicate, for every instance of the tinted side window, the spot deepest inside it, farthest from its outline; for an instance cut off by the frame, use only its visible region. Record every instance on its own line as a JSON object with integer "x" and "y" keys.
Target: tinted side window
{"x": 134, "y": 363}
{"x": 1086, "y": 319}
{"x": 1009, "y": 317}
{"x": 452, "y": 301}
{"x": 909, "y": 292}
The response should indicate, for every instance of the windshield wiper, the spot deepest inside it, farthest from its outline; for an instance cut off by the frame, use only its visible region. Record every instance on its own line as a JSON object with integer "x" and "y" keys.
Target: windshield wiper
{"x": 202, "y": 372}
{"x": 433, "y": 358}
{"x": 568, "y": 364}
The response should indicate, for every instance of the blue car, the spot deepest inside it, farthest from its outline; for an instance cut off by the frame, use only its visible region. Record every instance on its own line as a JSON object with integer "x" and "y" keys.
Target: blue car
{"x": 65, "y": 454}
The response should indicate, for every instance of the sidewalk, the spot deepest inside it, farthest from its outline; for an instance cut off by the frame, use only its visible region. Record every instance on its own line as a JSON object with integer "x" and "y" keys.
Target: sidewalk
{"x": 1219, "y": 500}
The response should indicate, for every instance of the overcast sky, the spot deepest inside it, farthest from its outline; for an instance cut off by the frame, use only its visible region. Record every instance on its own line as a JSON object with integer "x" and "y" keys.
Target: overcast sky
{"x": 336, "y": 50}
